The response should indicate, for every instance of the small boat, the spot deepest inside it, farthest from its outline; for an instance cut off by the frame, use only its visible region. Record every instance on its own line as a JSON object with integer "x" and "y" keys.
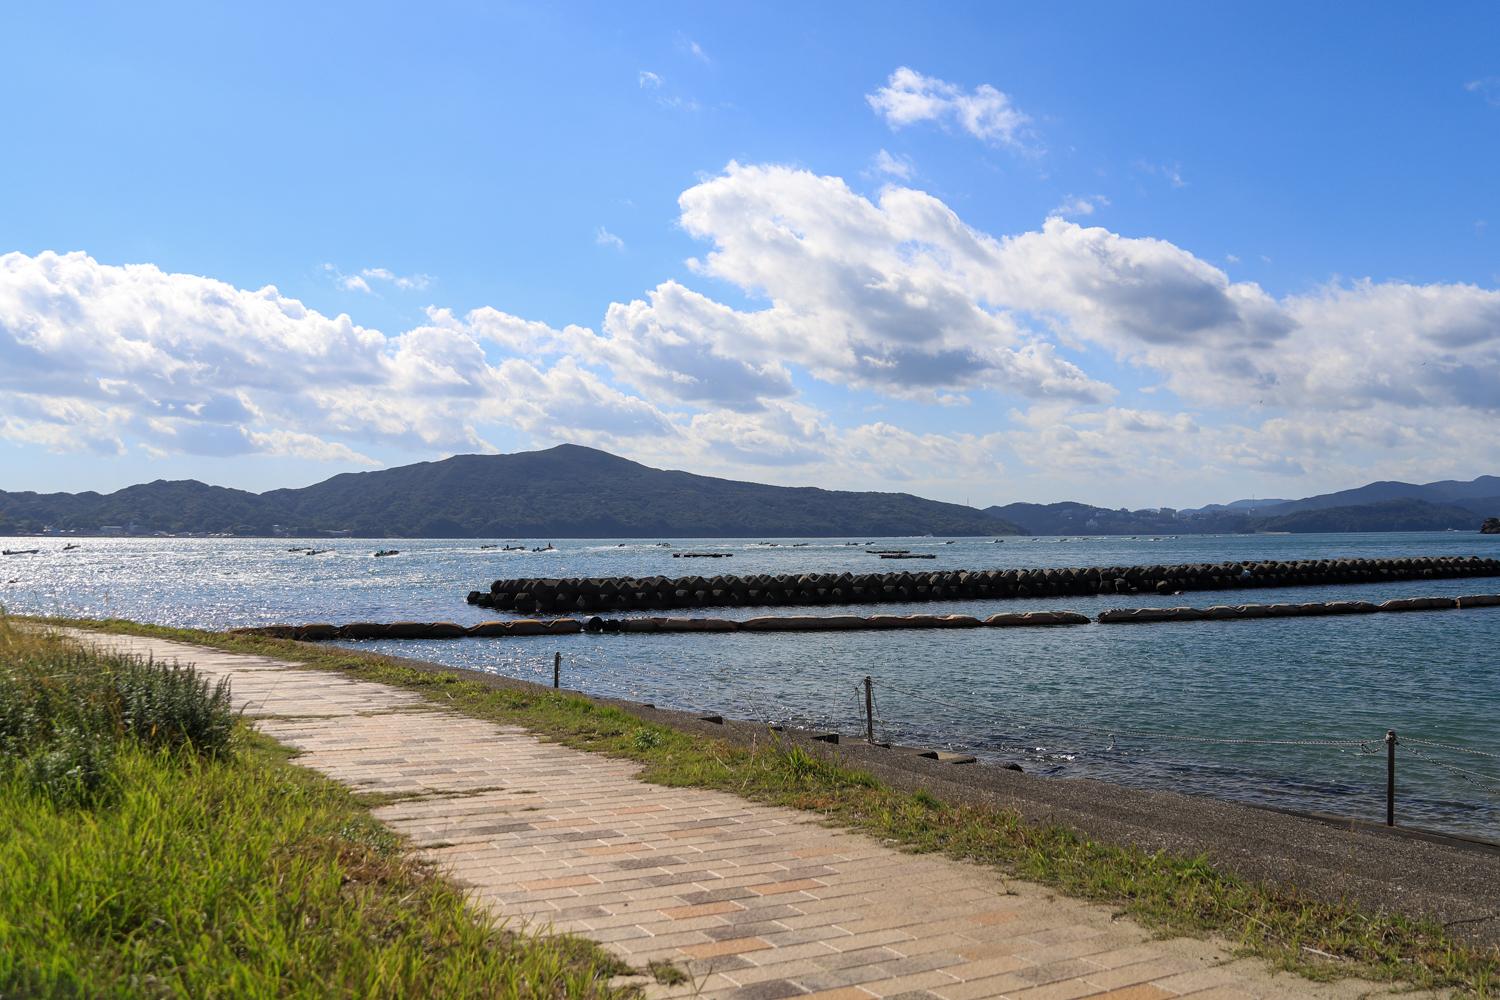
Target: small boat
{"x": 907, "y": 555}
{"x": 549, "y": 547}
{"x": 317, "y": 552}
{"x": 482, "y": 547}
{"x": 514, "y": 548}
{"x": 21, "y": 552}
{"x": 387, "y": 552}
{"x": 70, "y": 547}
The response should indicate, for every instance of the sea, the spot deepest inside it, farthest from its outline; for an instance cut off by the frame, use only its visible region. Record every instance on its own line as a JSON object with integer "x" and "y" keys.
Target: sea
{"x": 1284, "y": 713}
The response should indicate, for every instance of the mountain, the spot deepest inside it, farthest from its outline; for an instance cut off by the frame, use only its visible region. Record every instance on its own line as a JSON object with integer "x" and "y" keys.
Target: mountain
{"x": 180, "y": 506}
{"x": 1069, "y": 518}
{"x": 575, "y": 492}
{"x": 1237, "y": 505}
{"x": 563, "y": 492}
{"x": 1448, "y": 491}
{"x": 1383, "y": 506}
{"x": 1383, "y": 515}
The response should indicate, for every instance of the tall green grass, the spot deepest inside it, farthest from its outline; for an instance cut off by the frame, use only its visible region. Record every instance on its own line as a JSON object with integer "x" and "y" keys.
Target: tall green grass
{"x": 65, "y": 713}
{"x": 153, "y": 848}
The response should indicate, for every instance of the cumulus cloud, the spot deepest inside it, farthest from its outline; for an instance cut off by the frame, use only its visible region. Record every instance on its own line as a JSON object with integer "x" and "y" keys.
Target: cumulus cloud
{"x": 898, "y": 295}
{"x": 860, "y": 292}
{"x": 94, "y": 354}
{"x": 908, "y": 98}
{"x": 884, "y": 296}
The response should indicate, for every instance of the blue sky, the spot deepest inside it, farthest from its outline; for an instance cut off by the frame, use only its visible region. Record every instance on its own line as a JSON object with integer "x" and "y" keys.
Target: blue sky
{"x": 791, "y": 243}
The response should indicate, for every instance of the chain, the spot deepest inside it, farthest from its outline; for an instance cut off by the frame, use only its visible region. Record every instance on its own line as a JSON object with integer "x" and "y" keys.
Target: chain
{"x": 1483, "y": 780}
{"x": 1450, "y": 746}
{"x": 1364, "y": 745}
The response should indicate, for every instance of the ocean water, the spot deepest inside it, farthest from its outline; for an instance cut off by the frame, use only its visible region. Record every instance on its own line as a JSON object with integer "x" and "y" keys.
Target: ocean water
{"x": 1287, "y": 713}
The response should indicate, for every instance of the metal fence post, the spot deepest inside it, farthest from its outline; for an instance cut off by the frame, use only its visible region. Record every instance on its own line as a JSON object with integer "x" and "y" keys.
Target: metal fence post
{"x": 557, "y": 669}
{"x": 1390, "y": 777}
{"x": 869, "y": 710}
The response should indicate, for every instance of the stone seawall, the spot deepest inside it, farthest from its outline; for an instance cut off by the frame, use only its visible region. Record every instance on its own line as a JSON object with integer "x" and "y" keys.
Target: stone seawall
{"x": 567, "y": 626}
{"x": 846, "y": 623}
{"x": 536, "y": 595}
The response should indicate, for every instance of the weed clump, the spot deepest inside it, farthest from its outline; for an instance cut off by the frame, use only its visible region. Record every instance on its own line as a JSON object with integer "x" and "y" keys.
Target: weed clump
{"x": 66, "y": 713}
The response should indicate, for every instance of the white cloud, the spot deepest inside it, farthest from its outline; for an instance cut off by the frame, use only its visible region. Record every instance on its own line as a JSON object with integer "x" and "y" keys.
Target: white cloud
{"x": 676, "y": 347}
{"x": 895, "y": 166}
{"x": 984, "y": 112}
{"x": 362, "y": 282}
{"x": 678, "y": 103}
{"x": 297, "y": 445}
{"x": 604, "y": 238}
{"x": 648, "y": 80}
{"x": 864, "y": 293}
{"x": 1074, "y": 205}
{"x": 886, "y": 297}
{"x": 692, "y": 48}
{"x": 1170, "y": 172}
{"x": 407, "y": 282}
{"x": 1488, "y": 88}
{"x": 93, "y": 356}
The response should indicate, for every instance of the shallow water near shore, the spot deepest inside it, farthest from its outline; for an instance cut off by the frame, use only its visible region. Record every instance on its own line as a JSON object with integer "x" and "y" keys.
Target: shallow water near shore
{"x": 1159, "y": 706}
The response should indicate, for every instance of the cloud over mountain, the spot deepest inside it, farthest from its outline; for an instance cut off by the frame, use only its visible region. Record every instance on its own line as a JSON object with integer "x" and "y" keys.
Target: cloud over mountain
{"x": 803, "y": 284}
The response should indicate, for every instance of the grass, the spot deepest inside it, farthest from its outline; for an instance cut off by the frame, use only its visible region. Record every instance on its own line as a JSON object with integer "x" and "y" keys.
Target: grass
{"x": 180, "y": 854}
{"x": 1172, "y": 894}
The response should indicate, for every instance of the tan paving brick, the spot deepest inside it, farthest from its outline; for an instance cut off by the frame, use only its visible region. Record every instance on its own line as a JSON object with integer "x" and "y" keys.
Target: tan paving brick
{"x": 566, "y": 882}
{"x": 796, "y": 885}
{"x": 1143, "y": 991}
{"x": 734, "y": 946}
{"x": 702, "y": 909}
{"x": 1124, "y": 976}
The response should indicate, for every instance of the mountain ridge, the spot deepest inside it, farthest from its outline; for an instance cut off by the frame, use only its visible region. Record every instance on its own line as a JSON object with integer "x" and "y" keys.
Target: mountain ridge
{"x": 565, "y": 491}
{"x": 573, "y": 491}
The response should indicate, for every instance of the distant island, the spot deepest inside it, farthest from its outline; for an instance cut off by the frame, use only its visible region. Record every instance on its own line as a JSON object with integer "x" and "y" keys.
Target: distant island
{"x": 575, "y": 492}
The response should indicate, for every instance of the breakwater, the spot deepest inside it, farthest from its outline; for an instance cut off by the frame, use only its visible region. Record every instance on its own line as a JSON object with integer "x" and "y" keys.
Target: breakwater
{"x": 568, "y": 626}
{"x": 534, "y": 594}
{"x": 847, "y": 623}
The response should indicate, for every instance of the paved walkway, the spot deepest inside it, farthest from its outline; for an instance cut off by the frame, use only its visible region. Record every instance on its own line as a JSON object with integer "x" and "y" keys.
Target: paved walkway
{"x": 753, "y": 901}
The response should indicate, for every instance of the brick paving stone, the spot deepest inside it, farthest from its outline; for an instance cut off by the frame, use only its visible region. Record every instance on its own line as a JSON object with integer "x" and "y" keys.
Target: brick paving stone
{"x": 1143, "y": 991}
{"x": 754, "y": 901}
{"x": 1125, "y": 977}
{"x": 733, "y": 946}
